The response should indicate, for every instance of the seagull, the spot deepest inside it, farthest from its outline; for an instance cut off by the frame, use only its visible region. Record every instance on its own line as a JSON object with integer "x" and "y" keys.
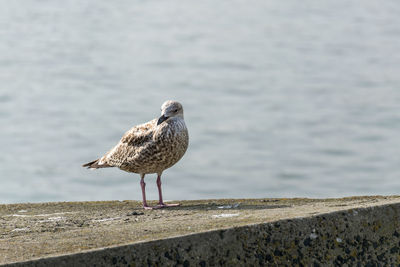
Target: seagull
{"x": 149, "y": 148}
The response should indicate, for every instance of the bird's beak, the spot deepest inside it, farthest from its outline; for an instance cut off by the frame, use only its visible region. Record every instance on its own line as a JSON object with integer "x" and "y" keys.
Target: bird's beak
{"x": 161, "y": 119}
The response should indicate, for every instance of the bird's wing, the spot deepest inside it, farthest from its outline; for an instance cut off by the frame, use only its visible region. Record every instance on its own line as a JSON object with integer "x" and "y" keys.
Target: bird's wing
{"x": 130, "y": 144}
{"x": 139, "y": 134}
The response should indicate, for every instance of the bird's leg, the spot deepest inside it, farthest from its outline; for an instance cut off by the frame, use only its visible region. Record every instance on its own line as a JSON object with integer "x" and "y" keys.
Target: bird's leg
{"x": 161, "y": 203}
{"x": 143, "y": 185}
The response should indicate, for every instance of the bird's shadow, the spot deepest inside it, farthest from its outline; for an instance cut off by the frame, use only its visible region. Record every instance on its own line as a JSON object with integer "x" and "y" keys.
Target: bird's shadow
{"x": 237, "y": 206}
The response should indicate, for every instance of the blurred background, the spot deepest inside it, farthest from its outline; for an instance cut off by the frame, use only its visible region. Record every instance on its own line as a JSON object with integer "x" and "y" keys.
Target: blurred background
{"x": 281, "y": 98}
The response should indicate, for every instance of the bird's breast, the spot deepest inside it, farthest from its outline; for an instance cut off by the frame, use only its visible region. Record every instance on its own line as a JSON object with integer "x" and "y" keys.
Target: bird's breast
{"x": 174, "y": 138}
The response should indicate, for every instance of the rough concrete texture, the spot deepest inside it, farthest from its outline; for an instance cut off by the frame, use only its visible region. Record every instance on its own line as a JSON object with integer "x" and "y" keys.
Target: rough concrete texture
{"x": 357, "y": 231}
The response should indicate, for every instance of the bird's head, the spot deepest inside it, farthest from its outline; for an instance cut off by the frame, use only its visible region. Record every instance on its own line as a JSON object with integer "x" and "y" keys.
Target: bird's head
{"x": 170, "y": 109}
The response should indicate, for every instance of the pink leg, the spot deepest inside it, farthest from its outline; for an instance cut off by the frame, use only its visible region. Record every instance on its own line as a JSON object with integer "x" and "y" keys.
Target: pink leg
{"x": 161, "y": 203}
{"x": 143, "y": 185}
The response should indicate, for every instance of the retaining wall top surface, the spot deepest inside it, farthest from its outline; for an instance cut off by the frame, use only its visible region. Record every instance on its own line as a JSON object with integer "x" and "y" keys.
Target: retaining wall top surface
{"x": 30, "y": 231}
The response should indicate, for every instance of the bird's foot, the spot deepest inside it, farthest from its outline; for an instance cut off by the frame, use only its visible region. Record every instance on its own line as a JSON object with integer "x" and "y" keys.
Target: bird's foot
{"x": 163, "y": 205}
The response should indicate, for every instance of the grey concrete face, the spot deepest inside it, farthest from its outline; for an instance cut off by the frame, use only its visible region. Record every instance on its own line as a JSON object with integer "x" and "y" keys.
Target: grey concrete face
{"x": 356, "y": 237}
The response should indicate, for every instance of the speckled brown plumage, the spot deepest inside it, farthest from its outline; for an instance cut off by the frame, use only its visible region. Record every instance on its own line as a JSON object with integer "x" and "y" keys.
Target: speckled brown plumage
{"x": 151, "y": 147}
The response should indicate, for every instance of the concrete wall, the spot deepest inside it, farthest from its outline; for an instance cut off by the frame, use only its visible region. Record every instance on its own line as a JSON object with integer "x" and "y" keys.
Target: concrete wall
{"x": 357, "y": 237}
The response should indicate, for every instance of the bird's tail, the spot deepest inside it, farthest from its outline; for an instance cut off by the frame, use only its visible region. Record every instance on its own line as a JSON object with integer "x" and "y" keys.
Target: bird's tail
{"x": 95, "y": 165}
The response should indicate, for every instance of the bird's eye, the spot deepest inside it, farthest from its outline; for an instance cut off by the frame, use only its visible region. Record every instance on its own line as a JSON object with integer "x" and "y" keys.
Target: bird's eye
{"x": 175, "y": 110}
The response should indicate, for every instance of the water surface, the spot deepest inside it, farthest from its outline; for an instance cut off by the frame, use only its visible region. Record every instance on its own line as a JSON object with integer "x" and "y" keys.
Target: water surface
{"x": 282, "y": 99}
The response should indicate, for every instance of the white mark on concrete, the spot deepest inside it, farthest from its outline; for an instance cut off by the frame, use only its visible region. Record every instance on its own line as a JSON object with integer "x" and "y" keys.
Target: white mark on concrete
{"x": 229, "y": 206}
{"x": 56, "y": 219}
{"x": 225, "y": 215}
{"x": 22, "y": 211}
{"x": 106, "y": 219}
{"x": 20, "y": 229}
{"x": 53, "y": 219}
{"x": 57, "y": 213}
{"x": 313, "y": 236}
{"x": 339, "y": 240}
{"x": 39, "y": 215}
